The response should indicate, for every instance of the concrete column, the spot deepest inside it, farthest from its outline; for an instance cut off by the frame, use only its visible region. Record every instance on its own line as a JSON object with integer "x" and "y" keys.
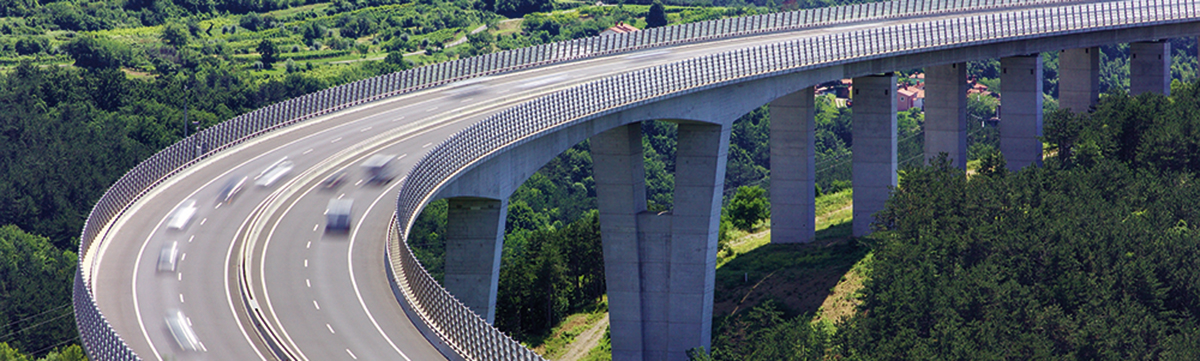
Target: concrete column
{"x": 620, "y": 196}
{"x": 699, "y": 182}
{"x": 474, "y": 239}
{"x": 792, "y": 168}
{"x": 1078, "y": 79}
{"x": 1150, "y": 67}
{"x": 946, "y": 113}
{"x": 1021, "y": 110}
{"x": 660, "y": 267}
{"x": 874, "y": 149}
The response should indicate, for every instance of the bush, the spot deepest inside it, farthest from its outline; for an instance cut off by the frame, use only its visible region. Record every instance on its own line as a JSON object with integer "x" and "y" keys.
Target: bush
{"x": 748, "y": 207}
{"x": 32, "y": 45}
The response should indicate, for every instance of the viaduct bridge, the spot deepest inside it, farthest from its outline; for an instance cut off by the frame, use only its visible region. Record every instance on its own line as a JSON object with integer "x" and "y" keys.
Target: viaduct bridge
{"x": 258, "y": 278}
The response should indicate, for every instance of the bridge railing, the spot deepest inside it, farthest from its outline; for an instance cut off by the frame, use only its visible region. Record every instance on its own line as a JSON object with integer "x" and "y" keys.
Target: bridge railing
{"x": 102, "y": 342}
{"x": 475, "y": 340}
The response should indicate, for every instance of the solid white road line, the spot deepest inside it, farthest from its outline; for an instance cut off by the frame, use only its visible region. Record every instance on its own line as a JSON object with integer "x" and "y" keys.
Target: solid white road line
{"x": 350, "y": 266}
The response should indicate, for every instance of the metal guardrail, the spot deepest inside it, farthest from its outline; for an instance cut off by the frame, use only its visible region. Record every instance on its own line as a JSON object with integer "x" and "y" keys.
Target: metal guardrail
{"x": 474, "y": 339}
{"x": 102, "y": 342}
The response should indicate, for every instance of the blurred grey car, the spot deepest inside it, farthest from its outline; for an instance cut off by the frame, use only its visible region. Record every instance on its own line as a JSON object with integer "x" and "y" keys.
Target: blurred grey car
{"x": 182, "y": 331}
{"x": 230, "y": 190}
{"x": 167, "y": 257}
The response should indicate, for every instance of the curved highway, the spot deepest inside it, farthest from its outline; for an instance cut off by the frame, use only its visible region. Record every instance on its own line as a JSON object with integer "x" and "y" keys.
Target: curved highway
{"x": 265, "y": 256}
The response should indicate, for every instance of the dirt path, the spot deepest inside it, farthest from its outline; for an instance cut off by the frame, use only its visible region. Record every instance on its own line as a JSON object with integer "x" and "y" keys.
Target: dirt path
{"x": 586, "y": 341}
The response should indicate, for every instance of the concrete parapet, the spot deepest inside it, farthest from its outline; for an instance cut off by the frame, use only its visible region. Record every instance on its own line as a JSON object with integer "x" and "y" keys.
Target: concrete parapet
{"x": 1150, "y": 67}
{"x": 793, "y": 173}
{"x": 474, "y": 239}
{"x": 1021, "y": 110}
{"x": 946, "y": 113}
{"x": 874, "y": 160}
{"x": 1078, "y": 79}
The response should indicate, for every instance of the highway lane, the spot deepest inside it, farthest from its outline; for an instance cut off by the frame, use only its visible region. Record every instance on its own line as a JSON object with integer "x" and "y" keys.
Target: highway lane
{"x": 343, "y": 287}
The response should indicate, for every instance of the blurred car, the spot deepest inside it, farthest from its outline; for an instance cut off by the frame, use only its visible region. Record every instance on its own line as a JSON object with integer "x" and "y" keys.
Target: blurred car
{"x": 182, "y": 331}
{"x": 230, "y": 190}
{"x": 182, "y": 215}
{"x": 274, "y": 173}
{"x": 334, "y": 180}
{"x": 376, "y": 168}
{"x": 337, "y": 215}
{"x": 167, "y": 257}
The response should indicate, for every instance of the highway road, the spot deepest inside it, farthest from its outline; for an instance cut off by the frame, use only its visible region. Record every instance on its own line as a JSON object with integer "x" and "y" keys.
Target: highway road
{"x": 324, "y": 295}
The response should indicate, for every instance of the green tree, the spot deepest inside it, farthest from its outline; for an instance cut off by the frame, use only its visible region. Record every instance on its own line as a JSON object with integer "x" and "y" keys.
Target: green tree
{"x": 397, "y": 58}
{"x": 657, "y": 16}
{"x": 175, "y": 34}
{"x": 748, "y": 207}
{"x": 90, "y": 52}
{"x": 267, "y": 52}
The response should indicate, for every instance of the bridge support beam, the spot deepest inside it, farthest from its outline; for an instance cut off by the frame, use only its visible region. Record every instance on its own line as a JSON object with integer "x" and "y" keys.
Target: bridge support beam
{"x": 1078, "y": 79}
{"x": 874, "y": 149}
{"x": 621, "y": 195}
{"x": 793, "y": 153}
{"x": 660, "y": 267}
{"x": 1150, "y": 67}
{"x": 1021, "y": 114}
{"x": 946, "y": 113}
{"x": 474, "y": 239}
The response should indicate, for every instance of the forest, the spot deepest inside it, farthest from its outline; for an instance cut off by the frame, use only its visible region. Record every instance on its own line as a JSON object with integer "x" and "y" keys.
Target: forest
{"x": 89, "y": 89}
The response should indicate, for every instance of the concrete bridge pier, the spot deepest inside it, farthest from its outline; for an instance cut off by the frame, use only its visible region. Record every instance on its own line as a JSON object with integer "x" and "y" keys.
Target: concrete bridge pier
{"x": 1150, "y": 67}
{"x": 874, "y": 156}
{"x": 946, "y": 113}
{"x": 474, "y": 240}
{"x": 1021, "y": 110}
{"x": 660, "y": 267}
{"x": 793, "y": 173}
{"x": 1078, "y": 79}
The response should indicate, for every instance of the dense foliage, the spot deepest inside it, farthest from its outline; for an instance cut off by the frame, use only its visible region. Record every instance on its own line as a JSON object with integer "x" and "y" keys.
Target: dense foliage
{"x": 35, "y": 293}
{"x": 68, "y": 353}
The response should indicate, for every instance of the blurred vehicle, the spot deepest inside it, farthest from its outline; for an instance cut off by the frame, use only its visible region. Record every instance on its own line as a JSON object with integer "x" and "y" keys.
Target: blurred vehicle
{"x": 376, "y": 168}
{"x": 337, "y": 215}
{"x": 275, "y": 172}
{"x": 230, "y": 190}
{"x": 468, "y": 87}
{"x": 182, "y": 331}
{"x": 541, "y": 81}
{"x": 182, "y": 215}
{"x": 167, "y": 257}
{"x": 334, "y": 180}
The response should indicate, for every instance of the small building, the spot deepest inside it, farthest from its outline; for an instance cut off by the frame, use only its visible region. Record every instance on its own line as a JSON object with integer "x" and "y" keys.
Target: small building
{"x": 908, "y": 97}
{"x": 620, "y": 28}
